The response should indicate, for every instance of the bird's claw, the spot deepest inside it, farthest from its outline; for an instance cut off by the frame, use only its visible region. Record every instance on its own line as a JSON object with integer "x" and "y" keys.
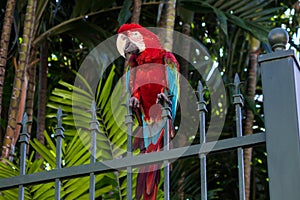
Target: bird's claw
{"x": 134, "y": 102}
{"x": 162, "y": 97}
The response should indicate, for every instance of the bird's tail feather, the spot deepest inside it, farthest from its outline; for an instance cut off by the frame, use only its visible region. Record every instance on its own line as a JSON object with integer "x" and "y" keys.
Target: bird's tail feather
{"x": 147, "y": 182}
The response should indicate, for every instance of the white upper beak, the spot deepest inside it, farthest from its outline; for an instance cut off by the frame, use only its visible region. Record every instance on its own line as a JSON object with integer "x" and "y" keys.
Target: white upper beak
{"x": 121, "y": 43}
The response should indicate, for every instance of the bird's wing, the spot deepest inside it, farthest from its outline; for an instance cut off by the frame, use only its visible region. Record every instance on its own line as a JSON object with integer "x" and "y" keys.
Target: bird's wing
{"x": 172, "y": 73}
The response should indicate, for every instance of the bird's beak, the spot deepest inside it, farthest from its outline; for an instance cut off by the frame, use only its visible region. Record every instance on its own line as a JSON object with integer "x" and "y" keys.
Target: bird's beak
{"x": 125, "y": 46}
{"x": 122, "y": 41}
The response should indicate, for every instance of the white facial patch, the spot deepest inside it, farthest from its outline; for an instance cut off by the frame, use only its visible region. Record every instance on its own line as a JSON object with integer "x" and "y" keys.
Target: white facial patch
{"x": 137, "y": 38}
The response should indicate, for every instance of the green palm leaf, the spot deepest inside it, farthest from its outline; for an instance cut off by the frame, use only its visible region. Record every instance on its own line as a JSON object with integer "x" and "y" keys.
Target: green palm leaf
{"x": 111, "y": 139}
{"x": 244, "y": 14}
{"x": 111, "y": 143}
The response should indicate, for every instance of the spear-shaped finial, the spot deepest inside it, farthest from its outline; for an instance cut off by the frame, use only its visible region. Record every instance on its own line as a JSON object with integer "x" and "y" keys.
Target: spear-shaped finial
{"x": 237, "y": 83}
{"x": 201, "y": 91}
{"x": 24, "y": 136}
{"x": 24, "y": 122}
{"x": 238, "y": 97}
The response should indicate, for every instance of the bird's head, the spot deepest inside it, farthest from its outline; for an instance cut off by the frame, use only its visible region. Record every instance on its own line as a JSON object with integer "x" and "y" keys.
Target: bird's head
{"x": 134, "y": 39}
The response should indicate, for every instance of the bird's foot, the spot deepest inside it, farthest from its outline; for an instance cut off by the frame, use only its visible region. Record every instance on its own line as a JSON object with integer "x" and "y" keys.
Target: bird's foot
{"x": 134, "y": 102}
{"x": 162, "y": 97}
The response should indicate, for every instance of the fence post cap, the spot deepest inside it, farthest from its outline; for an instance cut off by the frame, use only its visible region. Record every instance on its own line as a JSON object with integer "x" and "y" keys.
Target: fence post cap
{"x": 278, "y": 39}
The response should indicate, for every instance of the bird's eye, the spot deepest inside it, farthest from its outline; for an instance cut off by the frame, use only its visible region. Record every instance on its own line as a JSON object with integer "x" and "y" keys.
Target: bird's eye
{"x": 135, "y": 33}
{"x": 135, "y": 36}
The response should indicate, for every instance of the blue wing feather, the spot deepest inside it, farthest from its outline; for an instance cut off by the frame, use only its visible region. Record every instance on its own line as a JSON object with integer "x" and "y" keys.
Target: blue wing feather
{"x": 173, "y": 81}
{"x": 128, "y": 89}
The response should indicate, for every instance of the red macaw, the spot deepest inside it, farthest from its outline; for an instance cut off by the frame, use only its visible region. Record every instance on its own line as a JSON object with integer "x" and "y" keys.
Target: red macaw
{"x": 151, "y": 71}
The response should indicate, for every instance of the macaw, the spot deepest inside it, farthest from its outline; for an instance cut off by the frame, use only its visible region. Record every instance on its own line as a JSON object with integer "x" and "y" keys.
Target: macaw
{"x": 151, "y": 72}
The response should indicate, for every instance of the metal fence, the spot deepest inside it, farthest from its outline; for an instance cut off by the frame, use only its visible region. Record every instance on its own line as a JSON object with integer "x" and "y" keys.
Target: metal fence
{"x": 281, "y": 89}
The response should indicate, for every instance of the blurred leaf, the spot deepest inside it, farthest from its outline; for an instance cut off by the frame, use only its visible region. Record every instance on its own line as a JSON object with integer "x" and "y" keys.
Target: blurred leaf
{"x": 125, "y": 12}
{"x": 81, "y": 7}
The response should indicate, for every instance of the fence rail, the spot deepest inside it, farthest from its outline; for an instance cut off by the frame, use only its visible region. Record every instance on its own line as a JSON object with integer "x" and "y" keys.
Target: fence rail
{"x": 139, "y": 160}
{"x": 282, "y": 186}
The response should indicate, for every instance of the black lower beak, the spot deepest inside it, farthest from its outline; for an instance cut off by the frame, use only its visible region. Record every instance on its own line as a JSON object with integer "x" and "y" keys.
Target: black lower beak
{"x": 131, "y": 48}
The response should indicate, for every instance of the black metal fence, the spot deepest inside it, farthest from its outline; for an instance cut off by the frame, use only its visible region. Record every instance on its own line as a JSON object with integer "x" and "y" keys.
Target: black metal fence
{"x": 281, "y": 88}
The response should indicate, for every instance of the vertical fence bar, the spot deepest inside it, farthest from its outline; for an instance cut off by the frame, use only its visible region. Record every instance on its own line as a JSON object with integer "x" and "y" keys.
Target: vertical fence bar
{"x": 238, "y": 103}
{"x": 280, "y": 72}
{"x": 94, "y": 129}
{"x": 202, "y": 110}
{"x": 129, "y": 124}
{"x": 59, "y": 135}
{"x": 24, "y": 140}
{"x": 166, "y": 116}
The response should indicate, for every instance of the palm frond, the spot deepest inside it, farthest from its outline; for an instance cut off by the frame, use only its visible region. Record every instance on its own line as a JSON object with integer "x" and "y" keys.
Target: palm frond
{"x": 244, "y": 14}
{"x": 111, "y": 139}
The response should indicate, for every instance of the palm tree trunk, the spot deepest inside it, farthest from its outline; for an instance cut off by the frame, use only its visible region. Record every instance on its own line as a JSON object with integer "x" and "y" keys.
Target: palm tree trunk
{"x": 19, "y": 87}
{"x": 42, "y": 86}
{"x": 250, "y": 90}
{"x": 31, "y": 72}
{"x": 5, "y": 37}
{"x": 166, "y": 19}
{"x": 170, "y": 21}
{"x": 42, "y": 92}
{"x": 137, "y": 4}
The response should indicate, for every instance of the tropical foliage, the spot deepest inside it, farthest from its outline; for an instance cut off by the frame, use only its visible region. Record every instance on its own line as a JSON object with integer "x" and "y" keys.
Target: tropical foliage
{"x": 71, "y": 29}
{"x": 111, "y": 143}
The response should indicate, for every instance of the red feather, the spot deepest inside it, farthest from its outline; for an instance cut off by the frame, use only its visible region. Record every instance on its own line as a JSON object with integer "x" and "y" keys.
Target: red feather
{"x": 127, "y": 27}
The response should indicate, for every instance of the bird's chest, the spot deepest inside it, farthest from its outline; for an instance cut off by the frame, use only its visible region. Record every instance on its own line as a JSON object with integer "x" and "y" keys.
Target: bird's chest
{"x": 149, "y": 75}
